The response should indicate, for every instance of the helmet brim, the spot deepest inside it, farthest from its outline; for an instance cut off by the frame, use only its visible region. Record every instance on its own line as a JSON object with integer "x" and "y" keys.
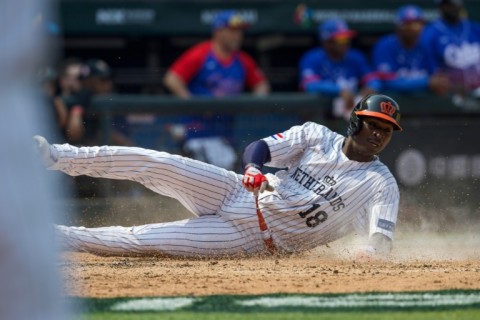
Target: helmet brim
{"x": 379, "y": 115}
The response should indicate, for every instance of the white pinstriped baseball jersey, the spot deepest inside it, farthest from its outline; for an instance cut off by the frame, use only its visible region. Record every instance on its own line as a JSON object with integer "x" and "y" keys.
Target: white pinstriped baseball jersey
{"x": 319, "y": 198}
{"x": 323, "y": 195}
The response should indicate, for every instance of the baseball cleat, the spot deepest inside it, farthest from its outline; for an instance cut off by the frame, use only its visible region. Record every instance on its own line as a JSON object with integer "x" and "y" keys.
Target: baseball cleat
{"x": 47, "y": 153}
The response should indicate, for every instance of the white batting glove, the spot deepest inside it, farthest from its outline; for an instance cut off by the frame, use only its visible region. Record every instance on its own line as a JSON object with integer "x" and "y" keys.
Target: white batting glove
{"x": 254, "y": 180}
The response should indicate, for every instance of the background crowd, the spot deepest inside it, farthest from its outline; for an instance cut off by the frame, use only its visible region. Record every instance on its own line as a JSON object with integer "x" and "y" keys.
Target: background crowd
{"x": 439, "y": 57}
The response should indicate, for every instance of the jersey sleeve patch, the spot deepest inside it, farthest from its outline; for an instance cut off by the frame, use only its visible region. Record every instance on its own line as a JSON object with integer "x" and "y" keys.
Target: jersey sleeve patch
{"x": 277, "y": 136}
{"x": 386, "y": 225}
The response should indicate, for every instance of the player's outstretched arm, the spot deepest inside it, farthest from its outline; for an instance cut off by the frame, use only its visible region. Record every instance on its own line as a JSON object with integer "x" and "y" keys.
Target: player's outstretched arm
{"x": 254, "y": 157}
{"x": 381, "y": 243}
{"x": 378, "y": 247}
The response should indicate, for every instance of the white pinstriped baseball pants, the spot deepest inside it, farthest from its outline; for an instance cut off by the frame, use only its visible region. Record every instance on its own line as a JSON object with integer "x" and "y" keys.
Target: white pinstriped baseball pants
{"x": 226, "y": 222}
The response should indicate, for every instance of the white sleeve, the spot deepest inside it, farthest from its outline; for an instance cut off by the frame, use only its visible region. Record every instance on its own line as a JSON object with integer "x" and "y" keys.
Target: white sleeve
{"x": 287, "y": 147}
{"x": 384, "y": 211}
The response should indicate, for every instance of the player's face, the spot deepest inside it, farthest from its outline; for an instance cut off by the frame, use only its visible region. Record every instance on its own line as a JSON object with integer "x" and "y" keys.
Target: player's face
{"x": 374, "y": 136}
{"x": 230, "y": 38}
{"x": 410, "y": 31}
{"x": 337, "y": 48}
{"x": 70, "y": 81}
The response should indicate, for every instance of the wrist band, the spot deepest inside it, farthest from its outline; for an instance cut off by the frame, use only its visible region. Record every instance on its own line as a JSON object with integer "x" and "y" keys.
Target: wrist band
{"x": 253, "y": 165}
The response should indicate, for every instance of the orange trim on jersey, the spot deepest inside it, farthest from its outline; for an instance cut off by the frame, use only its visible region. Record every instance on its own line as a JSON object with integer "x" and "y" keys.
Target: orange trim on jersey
{"x": 380, "y": 115}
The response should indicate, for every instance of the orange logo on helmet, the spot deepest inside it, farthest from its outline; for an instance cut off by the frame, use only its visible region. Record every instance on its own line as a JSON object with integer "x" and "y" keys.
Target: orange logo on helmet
{"x": 388, "y": 108}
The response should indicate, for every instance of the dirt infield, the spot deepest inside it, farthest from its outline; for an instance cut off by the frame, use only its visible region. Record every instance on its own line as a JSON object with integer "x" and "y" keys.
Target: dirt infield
{"x": 419, "y": 263}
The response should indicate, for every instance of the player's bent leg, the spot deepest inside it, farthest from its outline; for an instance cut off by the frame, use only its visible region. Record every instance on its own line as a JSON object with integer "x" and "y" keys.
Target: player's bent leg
{"x": 199, "y": 186}
{"x": 206, "y": 236}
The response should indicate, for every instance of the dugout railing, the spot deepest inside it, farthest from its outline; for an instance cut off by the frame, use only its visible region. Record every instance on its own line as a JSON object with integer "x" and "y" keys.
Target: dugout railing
{"x": 282, "y": 108}
{"x": 148, "y": 116}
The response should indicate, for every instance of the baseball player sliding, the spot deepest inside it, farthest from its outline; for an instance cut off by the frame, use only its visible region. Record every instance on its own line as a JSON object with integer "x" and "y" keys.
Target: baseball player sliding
{"x": 330, "y": 186}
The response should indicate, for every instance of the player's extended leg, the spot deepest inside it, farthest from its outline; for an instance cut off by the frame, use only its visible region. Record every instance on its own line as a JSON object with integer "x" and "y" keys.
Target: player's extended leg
{"x": 199, "y": 186}
{"x": 205, "y": 236}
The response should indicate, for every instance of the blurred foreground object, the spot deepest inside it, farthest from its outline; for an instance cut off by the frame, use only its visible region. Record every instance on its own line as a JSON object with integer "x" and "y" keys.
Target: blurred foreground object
{"x": 29, "y": 280}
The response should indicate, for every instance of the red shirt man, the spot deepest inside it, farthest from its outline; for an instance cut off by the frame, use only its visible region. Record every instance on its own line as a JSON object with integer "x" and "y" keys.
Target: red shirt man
{"x": 215, "y": 68}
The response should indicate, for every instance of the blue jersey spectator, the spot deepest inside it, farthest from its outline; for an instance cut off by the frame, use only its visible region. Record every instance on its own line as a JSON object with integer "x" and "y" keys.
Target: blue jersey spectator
{"x": 402, "y": 61}
{"x": 336, "y": 70}
{"x": 455, "y": 44}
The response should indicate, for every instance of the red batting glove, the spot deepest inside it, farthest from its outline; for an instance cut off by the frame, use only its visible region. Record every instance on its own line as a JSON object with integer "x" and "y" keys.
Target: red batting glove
{"x": 254, "y": 180}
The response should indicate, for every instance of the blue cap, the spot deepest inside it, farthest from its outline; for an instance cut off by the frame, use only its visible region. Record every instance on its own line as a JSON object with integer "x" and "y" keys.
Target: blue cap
{"x": 409, "y": 13}
{"x": 229, "y": 19}
{"x": 334, "y": 29}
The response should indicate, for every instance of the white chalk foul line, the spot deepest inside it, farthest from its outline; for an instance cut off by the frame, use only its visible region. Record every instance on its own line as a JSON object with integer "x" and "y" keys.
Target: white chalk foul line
{"x": 400, "y": 300}
{"x": 354, "y": 301}
{"x": 154, "y": 304}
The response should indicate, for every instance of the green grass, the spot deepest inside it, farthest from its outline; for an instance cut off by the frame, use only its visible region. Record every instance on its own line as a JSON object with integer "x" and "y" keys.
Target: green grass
{"x": 435, "y": 305}
{"x": 463, "y": 314}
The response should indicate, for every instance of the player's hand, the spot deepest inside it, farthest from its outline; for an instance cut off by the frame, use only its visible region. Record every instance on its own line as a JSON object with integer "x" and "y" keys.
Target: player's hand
{"x": 365, "y": 254}
{"x": 254, "y": 180}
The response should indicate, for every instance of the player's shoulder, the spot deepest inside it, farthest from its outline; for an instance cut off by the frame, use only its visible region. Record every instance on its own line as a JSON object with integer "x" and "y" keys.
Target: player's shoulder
{"x": 356, "y": 55}
{"x": 320, "y": 129}
{"x": 244, "y": 55}
{"x": 200, "y": 49}
{"x": 387, "y": 41}
{"x": 314, "y": 125}
{"x": 475, "y": 25}
{"x": 314, "y": 54}
{"x": 246, "y": 59}
{"x": 434, "y": 28}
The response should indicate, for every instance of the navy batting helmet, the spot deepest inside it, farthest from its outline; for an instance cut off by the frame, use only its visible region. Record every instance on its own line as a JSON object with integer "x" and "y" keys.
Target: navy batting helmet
{"x": 377, "y": 106}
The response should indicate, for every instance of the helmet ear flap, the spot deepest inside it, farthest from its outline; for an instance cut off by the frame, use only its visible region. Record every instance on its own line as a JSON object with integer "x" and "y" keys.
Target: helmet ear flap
{"x": 355, "y": 124}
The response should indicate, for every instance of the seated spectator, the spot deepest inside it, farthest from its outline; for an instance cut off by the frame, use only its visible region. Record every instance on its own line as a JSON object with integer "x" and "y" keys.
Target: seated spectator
{"x": 57, "y": 112}
{"x": 96, "y": 79}
{"x": 215, "y": 68}
{"x": 69, "y": 77}
{"x": 454, "y": 42}
{"x": 336, "y": 70}
{"x": 70, "y": 85}
{"x": 403, "y": 62}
